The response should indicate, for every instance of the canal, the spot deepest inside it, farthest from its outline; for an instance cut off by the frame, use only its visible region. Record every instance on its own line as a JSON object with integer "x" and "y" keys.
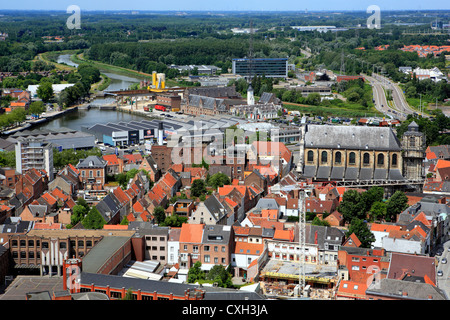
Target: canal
{"x": 76, "y": 120}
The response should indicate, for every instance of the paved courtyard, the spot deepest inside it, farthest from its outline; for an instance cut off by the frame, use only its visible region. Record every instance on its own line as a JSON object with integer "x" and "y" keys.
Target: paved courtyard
{"x": 22, "y": 285}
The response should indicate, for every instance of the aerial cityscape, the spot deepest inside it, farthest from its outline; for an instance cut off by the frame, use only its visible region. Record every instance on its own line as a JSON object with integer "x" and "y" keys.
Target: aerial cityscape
{"x": 231, "y": 153}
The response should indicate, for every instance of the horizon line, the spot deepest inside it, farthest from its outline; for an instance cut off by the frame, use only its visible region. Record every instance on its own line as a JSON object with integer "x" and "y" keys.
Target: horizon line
{"x": 223, "y": 10}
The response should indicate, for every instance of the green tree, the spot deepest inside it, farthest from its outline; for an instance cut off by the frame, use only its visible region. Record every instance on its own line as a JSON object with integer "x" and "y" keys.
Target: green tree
{"x": 351, "y": 206}
{"x": 174, "y": 221}
{"x": 45, "y": 91}
{"x": 36, "y": 107}
{"x": 378, "y": 211}
{"x": 93, "y": 220}
{"x": 198, "y": 187}
{"x": 362, "y": 232}
{"x": 221, "y": 276}
{"x": 319, "y": 222}
{"x": 8, "y": 159}
{"x": 159, "y": 214}
{"x": 195, "y": 273}
{"x": 395, "y": 205}
{"x": 218, "y": 180}
{"x": 78, "y": 214}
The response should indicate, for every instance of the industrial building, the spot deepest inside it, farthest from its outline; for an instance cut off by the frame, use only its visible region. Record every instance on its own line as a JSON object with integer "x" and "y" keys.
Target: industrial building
{"x": 61, "y": 139}
{"x": 157, "y": 131}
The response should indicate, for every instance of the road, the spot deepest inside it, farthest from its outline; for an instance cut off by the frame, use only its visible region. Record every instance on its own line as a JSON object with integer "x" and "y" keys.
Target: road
{"x": 443, "y": 282}
{"x": 379, "y": 96}
{"x": 397, "y": 94}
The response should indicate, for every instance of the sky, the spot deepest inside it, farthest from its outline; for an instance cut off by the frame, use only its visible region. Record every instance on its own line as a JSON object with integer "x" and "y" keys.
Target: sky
{"x": 227, "y": 5}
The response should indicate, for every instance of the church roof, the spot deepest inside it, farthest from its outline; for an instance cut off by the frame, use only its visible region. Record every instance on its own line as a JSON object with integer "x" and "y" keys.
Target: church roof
{"x": 355, "y": 137}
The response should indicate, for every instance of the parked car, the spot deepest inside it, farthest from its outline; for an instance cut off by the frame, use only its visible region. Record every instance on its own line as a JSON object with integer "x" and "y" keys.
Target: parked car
{"x": 440, "y": 273}
{"x": 444, "y": 260}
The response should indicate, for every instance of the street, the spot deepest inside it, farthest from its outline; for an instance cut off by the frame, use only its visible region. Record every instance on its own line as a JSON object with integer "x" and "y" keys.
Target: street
{"x": 443, "y": 281}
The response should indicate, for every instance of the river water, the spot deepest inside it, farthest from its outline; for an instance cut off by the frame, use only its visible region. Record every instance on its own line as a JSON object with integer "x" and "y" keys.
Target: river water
{"x": 76, "y": 120}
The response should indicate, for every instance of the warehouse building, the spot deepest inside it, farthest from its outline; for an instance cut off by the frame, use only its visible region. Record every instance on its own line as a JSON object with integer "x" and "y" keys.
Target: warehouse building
{"x": 62, "y": 138}
{"x": 157, "y": 131}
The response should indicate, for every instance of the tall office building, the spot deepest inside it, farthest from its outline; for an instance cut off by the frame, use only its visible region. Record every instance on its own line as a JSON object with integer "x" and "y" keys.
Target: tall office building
{"x": 32, "y": 153}
{"x": 269, "y": 67}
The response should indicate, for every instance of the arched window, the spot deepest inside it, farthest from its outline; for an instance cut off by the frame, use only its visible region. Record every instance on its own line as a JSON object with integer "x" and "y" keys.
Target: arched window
{"x": 352, "y": 158}
{"x": 394, "y": 160}
{"x": 366, "y": 159}
{"x": 324, "y": 157}
{"x": 338, "y": 157}
{"x": 380, "y": 159}
{"x": 310, "y": 156}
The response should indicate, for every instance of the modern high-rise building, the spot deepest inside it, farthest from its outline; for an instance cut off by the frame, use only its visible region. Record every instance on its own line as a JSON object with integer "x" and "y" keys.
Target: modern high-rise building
{"x": 268, "y": 67}
{"x": 32, "y": 153}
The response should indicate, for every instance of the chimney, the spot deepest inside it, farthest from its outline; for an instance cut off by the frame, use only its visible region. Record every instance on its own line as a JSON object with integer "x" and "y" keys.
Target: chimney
{"x": 160, "y": 133}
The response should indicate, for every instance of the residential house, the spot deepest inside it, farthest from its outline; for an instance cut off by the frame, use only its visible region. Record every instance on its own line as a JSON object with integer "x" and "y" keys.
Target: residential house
{"x": 155, "y": 238}
{"x": 191, "y": 236}
{"x": 110, "y": 209}
{"x": 211, "y": 212}
{"x": 68, "y": 180}
{"x": 114, "y": 164}
{"x": 36, "y": 213}
{"x": 357, "y": 269}
{"x": 173, "y": 246}
{"x": 184, "y": 207}
{"x": 151, "y": 167}
{"x": 92, "y": 172}
{"x": 217, "y": 246}
{"x": 327, "y": 240}
{"x": 437, "y": 215}
{"x": 274, "y": 153}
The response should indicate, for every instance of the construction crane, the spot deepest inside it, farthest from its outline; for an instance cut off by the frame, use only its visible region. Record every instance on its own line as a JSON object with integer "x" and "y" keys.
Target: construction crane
{"x": 303, "y": 190}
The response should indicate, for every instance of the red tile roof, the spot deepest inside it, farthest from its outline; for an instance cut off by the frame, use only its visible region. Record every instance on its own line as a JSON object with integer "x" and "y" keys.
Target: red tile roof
{"x": 191, "y": 233}
{"x": 111, "y": 159}
{"x": 249, "y": 248}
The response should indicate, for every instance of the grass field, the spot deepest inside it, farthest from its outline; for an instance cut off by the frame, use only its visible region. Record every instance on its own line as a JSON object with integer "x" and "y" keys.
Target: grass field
{"x": 331, "y": 111}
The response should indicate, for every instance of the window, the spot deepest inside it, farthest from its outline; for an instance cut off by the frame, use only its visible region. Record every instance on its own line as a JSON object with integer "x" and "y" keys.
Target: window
{"x": 63, "y": 245}
{"x": 207, "y": 258}
{"x": 31, "y": 243}
{"x": 338, "y": 158}
{"x": 352, "y": 158}
{"x": 380, "y": 160}
{"x": 206, "y": 248}
{"x": 98, "y": 173}
{"x": 310, "y": 156}
{"x": 366, "y": 159}
{"x": 324, "y": 157}
{"x": 394, "y": 160}
{"x": 412, "y": 141}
